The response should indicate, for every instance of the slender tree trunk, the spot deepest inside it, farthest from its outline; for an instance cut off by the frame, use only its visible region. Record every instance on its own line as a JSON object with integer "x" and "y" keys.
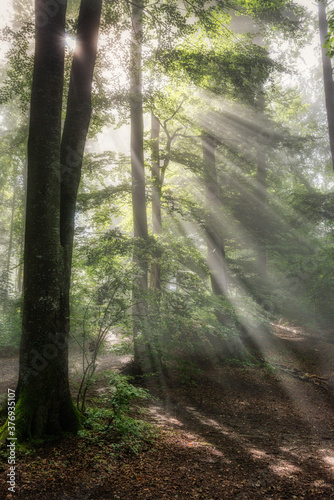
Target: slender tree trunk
{"x": 215, "y": 244}
{"x": 20, "y": 267}
{"x": 155, "y": 279}
{"x": 261, "y": 201}
{"x": 78, "y": 115}
{"x": 21, "y": 252}
{"x": 138, "y": 178}
{"x": 215, "y": 248}
{"x": 44, "y": 401}
{"x": 11, "y": 231}
{"x": 327, "y": 74}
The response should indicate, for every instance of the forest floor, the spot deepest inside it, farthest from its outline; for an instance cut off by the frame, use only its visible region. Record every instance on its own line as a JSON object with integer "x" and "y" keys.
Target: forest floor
{"x": 232, "y": 432}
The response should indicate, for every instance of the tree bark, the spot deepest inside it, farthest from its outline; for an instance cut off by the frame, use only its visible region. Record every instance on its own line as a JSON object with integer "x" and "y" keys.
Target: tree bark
{"x": 140, "y": 230}
{"x": 78, "y": 115}
{"x": 137, "y": 127}
{"x": 44, "y": 404}
{"x": 215, "y": 243}
{"x": 54, "y": 166}
{"x": 155, "y": 276}
{"x": 327, "y": 75}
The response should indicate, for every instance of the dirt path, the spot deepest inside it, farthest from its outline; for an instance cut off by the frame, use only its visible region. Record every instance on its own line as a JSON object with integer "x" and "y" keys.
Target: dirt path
{"x": 9, "y": 367}
{"x": 234, "y": 433}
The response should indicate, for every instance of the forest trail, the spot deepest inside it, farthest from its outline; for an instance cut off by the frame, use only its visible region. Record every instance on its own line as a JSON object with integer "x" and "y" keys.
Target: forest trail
{"x": 296, "y": 351}
{"x": 9, "y": 367}
{"x": 235, "y": 432}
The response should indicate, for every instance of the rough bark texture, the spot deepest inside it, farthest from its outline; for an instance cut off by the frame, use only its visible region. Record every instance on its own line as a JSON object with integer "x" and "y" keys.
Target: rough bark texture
{"x": 215, "y": 244}
{"x": 44, "y": 402}
{"x": 140, "y": 230}
{"x": 327, "y": 74}
{"x": 137, "y": 127}
{"x": 155, "y": 279}
{"x": 79, "y": 109}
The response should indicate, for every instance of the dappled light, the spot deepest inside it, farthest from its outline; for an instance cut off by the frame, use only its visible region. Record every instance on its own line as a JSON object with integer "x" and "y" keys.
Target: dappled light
{"x": 70, "y": 43}
{"x": 166, "y": 250}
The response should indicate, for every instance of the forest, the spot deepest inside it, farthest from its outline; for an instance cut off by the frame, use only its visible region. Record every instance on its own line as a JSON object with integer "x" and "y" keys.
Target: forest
{"x": 166, "y": 249}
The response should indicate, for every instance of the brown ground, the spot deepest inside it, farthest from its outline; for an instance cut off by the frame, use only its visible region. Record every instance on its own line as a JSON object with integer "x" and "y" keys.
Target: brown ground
{"x": 238, "y": 434}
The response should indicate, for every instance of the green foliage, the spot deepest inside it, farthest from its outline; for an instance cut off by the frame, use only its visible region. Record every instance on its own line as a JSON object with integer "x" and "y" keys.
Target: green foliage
{"x": 182, "y": 326}
{"x": 101, "y": 298}
{"x": 109, "y": 421}
{"x": 330, "y": 36}
{"x": 102, "y": 282}
{"x": 10, "y": 326}
{"x": 313, "y": 269}
{"x": 19, "y": 74}
{"x": 284, "y": 15}
{"x": 250, "y": 362}
{"x": 124, "y": 348}
{"x": 236, "y": 71}
{"x": 121, "y": 394}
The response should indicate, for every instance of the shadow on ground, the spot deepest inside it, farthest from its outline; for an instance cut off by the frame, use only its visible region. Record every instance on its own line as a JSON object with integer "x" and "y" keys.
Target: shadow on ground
{"x": 233, "y": 432}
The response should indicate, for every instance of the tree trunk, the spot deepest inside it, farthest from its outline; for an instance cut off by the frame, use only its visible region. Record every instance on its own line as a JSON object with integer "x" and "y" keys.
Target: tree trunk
{"x": 10, "y": 243}
{"x": 21, "y": 252}
{"x": 215, "y": 244}
{"x": 216, "y": 251}
{"x": 54, "y": 166}
{"x": 20, "y": 266}
{"x": 44, "y": 404}
{"x": 327, "y": 74}
{"x": 261, "y": 201}
{"x": 78, "y": 115}
{"x": 155, "y": 279}
{"x": 138, "y": 180}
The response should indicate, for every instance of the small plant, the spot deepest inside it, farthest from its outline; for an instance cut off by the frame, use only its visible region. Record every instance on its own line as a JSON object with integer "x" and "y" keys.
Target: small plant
{"x": 110, "y": 420}
{"x": 251, "y": 361}
{"x": 121, "y": 393}
{"x": 124, "y": 348}
{"x": 188, "y": 371}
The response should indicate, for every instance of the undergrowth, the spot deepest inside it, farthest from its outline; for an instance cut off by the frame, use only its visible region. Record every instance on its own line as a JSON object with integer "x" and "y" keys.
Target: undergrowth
{"x": 109, "y": 418}
{"x": 250, "y": 362}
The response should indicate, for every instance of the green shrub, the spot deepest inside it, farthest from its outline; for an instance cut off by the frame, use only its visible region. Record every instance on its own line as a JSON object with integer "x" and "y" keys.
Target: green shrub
{"x": 10, "y": 326}
{"x": 110, "y": 421}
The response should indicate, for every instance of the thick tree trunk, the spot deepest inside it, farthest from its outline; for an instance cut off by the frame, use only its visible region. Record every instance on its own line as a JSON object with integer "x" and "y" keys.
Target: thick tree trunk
{"x": 140, "y": 230}
{"x": 327, "y": 74}
{"x": 76, "y": 125}
{"x": 155, "y": 279}
{"x": 44, "y": 404}
{"x": 215, "y": 244}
